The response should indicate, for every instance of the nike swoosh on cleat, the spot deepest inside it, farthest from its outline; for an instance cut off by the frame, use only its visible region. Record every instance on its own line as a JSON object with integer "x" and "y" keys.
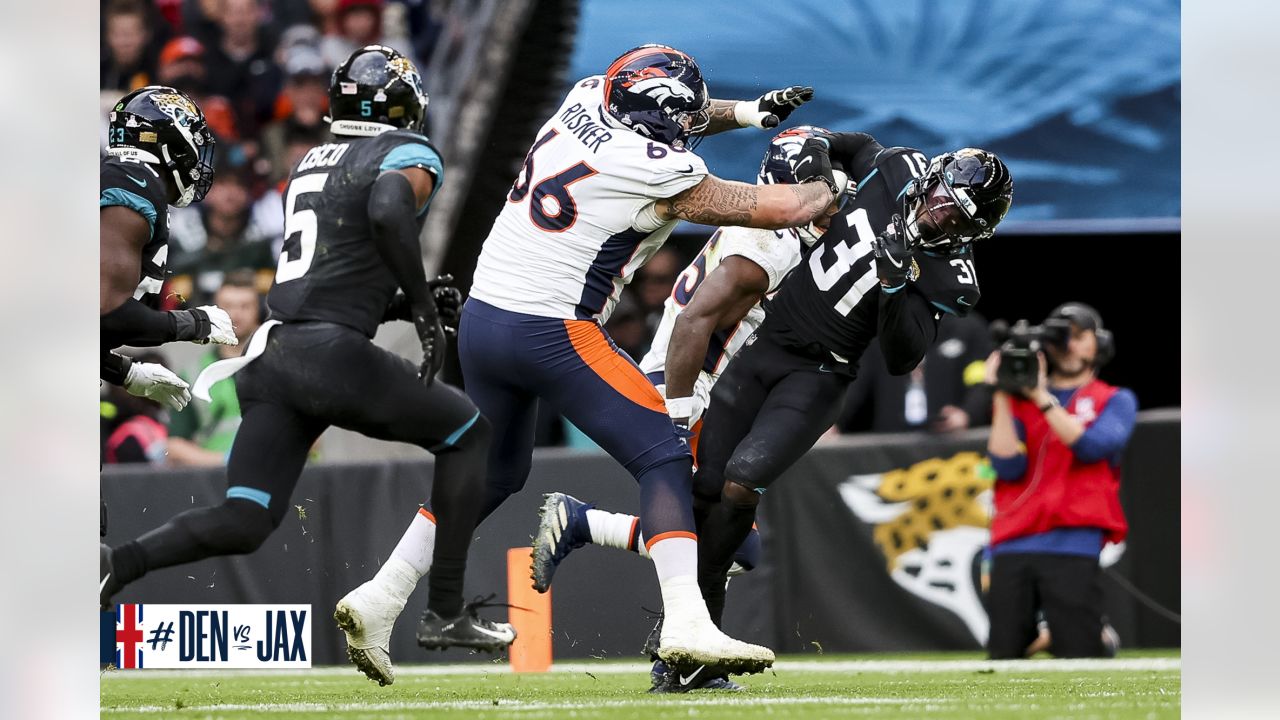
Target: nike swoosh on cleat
{"x": 140, "y": 183}
{"x": 685, "y": 680}
{"x": 491, "y": 633}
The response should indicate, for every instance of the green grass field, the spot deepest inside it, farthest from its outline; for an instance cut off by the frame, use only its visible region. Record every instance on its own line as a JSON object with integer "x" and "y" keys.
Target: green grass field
{"x": 1138, "y": 685}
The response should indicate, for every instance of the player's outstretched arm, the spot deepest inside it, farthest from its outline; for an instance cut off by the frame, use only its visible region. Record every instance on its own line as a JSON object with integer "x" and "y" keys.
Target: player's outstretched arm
{"x": 906, "y": 327}
{"x": 725, "y": 202}
{"x": 125, "y": 321}
{"x": 722, "y": 300}
{"x": 766, "y": 111}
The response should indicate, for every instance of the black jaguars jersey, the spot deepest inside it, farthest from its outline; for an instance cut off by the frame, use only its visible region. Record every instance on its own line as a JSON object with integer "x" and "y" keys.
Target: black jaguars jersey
{"x": 830, "y": 302}
{"x": 329, "y": 268}
{"x": 136, "y": 186}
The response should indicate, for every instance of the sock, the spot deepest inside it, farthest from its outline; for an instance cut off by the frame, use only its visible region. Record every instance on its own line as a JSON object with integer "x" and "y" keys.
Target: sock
{"x": 614, "y": 530}
{"x": 676, "y": 560}
{"x": 445, "y": 594}
{"x": 418, "y": 543}
{"x": 726, "y": 528}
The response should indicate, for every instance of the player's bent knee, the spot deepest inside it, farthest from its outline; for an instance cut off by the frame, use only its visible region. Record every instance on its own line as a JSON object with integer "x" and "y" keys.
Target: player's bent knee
{"x": 741, "y": 496}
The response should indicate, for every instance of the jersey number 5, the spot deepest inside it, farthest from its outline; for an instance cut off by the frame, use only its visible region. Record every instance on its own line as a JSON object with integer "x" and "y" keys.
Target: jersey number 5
{"x": 301, "y": 223}
{"x": 551, "y": 206}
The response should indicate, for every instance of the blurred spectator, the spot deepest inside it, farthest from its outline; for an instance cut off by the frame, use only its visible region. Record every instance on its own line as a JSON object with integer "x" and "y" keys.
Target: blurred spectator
{"x": 182, "y": 65}
{"x": 127, "y": 60}
{"x": 215, "y": 237}
{"x": 946, "y": 392}
{"x": 133, "y": 428}
{"x": 202, "y": 433}
{"x": 268, "y": 210}
{"x": 244, "y": 68}
{"x": 653, "y": 284}
{"x": 626, "y": 327}
{"x": 300, "y": 109}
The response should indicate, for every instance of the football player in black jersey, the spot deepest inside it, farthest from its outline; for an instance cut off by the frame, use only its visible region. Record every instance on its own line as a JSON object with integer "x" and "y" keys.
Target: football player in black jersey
{"x": 895, "y": 261}
{"x": 160, "y": 154}
{"x": 354, "y": 209}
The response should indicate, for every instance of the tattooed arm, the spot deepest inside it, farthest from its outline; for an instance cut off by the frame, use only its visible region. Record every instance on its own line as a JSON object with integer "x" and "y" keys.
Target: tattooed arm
{"x": 722, "y": 117}
{"x": 724, "y": 202}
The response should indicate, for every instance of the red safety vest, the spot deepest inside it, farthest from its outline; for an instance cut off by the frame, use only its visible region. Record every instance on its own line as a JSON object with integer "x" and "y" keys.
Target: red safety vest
{"x": 1058, "y": 491}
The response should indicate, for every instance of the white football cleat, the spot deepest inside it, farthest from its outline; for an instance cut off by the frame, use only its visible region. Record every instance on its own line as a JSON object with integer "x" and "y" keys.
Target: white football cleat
{"x": 367, "y": 615}
{"x": 697, "y": 641}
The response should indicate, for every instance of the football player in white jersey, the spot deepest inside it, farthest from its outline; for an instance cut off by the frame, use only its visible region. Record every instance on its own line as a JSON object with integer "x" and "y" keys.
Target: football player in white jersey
{"x": 714, "y": 306}
{"x": 606, "y": 180}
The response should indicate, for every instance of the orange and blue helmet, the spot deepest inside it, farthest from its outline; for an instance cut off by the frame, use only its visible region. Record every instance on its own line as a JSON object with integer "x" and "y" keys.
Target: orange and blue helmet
{"x": 658, "y": 91}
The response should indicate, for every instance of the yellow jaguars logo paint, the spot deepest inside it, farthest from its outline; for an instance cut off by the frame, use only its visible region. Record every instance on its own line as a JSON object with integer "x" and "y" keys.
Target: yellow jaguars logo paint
{"x": 176, "y": 106}
{"x": 931, "y": 522}
{"x": 403, "y": 67}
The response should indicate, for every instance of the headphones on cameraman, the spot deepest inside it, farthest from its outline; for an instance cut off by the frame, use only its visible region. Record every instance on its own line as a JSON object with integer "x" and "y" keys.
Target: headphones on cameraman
{"x": 1087, "y": 318}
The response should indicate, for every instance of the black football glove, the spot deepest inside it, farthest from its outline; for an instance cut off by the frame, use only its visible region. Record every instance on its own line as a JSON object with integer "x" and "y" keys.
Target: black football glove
{"x": 448, "y": 302}
{"x": 813, "y": 164}
{"x": 893, "y": 257}
{"x": 771, "y": 108}
{"x": 431, "y": 335}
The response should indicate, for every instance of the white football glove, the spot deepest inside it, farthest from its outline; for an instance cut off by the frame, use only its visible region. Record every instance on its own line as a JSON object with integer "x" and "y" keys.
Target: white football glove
{"x": 771, "y": 108}
{"x": 158, "y": 383}
{"x": 220, "y": 330}
{"x": 686, "y": 411}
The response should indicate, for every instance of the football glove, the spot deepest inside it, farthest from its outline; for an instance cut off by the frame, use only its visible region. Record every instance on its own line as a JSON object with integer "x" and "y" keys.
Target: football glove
{"x": 157, "y": 383}
{"x": 448, "y": 304}
{"x": 813, "y": 163}
{"x": 893, "y": 257}
{"x": 771, "y": 108}
{"x": 203, "y": 325}
{"x": 431, "y": 335}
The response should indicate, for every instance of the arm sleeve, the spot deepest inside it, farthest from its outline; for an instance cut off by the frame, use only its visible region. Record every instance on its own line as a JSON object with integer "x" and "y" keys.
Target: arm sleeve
{"x": 1011, "y": 468}
{"x": 1108, "y": 434}
{"x": 906, "y": 327}
{"x": 395, "y": 235}
{"x": 136, "y": 324}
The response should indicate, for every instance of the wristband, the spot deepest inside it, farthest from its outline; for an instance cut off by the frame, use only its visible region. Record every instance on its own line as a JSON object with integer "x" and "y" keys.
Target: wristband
{"x": 1053, "y": 403}
{"x": 745, "y": 112}
{"x": 681, "y": 408}
{"x": 190, "y": 325}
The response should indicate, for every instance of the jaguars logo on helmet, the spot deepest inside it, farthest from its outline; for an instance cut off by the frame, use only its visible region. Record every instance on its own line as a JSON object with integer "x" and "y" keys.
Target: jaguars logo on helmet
{"x": 161, "y": 126}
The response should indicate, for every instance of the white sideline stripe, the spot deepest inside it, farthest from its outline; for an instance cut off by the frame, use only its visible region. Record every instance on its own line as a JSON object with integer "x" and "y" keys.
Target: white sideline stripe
{"x": 518, "y": 705}
{"x": 782, "y": 666}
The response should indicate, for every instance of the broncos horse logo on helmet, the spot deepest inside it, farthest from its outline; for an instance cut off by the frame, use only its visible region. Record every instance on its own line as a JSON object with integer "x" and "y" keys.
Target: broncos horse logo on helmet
{"x": 374, "y": 90}
{"x": 161, "y": 126}
{"x": 658, "y": 91}
{"x": 962, "y": 197}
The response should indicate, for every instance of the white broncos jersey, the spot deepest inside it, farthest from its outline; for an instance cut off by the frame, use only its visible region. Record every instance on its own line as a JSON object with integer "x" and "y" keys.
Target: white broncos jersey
{"x": 569, "y": 238}
{"x": 775, "y": 251}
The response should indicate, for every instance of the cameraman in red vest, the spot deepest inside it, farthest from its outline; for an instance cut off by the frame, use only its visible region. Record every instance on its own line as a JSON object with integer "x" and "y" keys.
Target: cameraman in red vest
{"x": 1056, "y": 446}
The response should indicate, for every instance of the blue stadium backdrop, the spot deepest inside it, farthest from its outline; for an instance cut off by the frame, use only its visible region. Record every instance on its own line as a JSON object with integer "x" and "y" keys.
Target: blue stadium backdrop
{"x": 1082, "y": 98}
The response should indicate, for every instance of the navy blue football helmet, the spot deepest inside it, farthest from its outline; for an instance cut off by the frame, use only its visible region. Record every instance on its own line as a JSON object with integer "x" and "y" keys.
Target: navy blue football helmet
{"x": 962, "y": 197}
{"x": 778, "y": 168}
{"x": 375, "y": 89}
{"x": 163, "y": 127}
{"x": 658, "y": 92}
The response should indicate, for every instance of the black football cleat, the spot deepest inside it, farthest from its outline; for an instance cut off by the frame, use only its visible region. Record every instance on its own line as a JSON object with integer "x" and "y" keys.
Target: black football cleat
{"x": 467, "y": 630}
{"x": 668, "y": 680}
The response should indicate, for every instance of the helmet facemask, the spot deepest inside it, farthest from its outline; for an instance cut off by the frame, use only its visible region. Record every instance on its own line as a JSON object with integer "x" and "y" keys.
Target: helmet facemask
{"x": 960, "y": 199}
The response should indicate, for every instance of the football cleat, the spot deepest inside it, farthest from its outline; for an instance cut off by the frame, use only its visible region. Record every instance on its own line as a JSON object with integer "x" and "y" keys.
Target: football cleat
{"x": 366, "y": 616}
{"x": 687, "y": 645}
{"x": 666, "y": 680}
{"x": 467, "y": 630}
{"x": 562, "y": 528}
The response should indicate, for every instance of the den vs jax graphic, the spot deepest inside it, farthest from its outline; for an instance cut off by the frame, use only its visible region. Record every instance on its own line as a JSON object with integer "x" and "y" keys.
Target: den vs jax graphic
{"x": 144, "y": 635}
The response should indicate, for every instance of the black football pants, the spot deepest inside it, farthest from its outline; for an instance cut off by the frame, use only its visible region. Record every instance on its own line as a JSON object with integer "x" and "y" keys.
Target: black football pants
{"x": 1065, "y": 587}
{"x": 313, "y": 375}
